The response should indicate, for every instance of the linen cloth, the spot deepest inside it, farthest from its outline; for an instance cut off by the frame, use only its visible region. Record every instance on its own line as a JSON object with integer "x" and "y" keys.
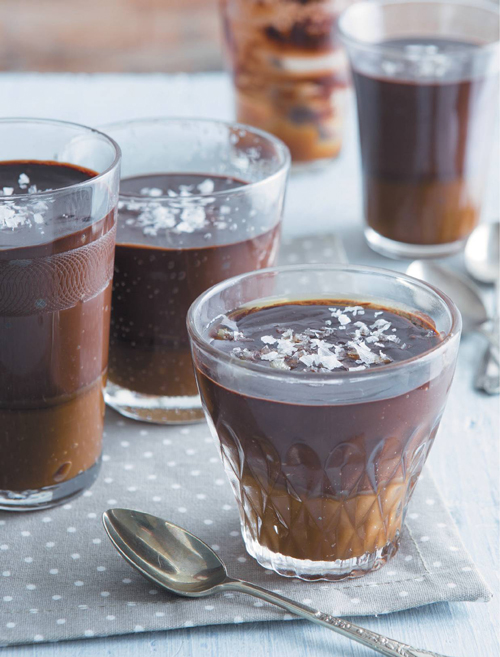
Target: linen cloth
{"x": 60, "y": 577}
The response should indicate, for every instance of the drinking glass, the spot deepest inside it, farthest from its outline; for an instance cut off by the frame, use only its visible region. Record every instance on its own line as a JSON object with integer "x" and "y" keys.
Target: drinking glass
{"x": 200, "y": 201}
{"x": 426, "y": 80}
{"x": 57, "y": 243}
{"x": 290, "y": 72}
{"x": 323, "y": 464}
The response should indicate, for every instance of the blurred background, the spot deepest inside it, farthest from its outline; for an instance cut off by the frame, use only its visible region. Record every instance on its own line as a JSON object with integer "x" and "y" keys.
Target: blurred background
{"x": 109, "y": 35}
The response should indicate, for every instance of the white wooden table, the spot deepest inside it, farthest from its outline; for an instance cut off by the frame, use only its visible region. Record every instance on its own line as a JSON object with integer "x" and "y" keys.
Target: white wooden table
{"x": 465, "y": 458}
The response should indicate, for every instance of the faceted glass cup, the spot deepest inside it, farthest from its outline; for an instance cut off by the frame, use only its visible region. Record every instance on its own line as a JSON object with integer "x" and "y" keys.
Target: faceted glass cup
{"x": 56, "y": 268}
{"x": 426, "y": 80}
{"x": 173, "y": 245}
{"x": 323, "y": 465}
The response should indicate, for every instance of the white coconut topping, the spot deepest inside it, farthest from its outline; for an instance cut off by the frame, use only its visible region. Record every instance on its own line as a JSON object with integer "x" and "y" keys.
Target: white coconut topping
{"x": 207, "y": 186}
{"x": 26, "y": 212}
{"x": 23, "y": 214}
{"x": 270, "y": 355}
{"x": 343, "y": 319}
{"x": 324, "y": 349}
{"x": 355, "y": 310}
{"x": 23, "y": 181}
{"x": 381, "y": 325}
{"x": 185, "y": 212}
{"x": 151, "y": 191}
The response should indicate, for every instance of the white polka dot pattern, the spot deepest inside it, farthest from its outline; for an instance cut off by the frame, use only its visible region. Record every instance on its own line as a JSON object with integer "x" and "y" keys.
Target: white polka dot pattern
{"x": 70, "y": 583}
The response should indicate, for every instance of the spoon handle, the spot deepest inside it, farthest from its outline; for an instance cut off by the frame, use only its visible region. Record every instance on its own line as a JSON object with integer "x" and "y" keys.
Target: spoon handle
{"x": 488, "y": 374}
{"x": 377, "y": 642}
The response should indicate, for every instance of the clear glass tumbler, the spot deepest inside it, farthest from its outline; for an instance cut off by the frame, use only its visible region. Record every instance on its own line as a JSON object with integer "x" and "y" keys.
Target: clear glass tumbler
{"x": 323, "y": 464}
{"x": 290, "y": 72}
{"x": 58, "y": 199}
{"x": 426, "y": 80}
{"x": 200, "y": 201}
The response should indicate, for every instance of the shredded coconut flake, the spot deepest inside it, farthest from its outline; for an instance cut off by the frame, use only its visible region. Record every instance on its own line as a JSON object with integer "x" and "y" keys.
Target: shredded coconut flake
{"x": 151, "y": 191}
{"x": 355, "y": 310}
{"x": 271, "y": 355}
{"x": 207, "y": 186}
{"x": 381, "y": 325}
{"x": 23, "y": 181}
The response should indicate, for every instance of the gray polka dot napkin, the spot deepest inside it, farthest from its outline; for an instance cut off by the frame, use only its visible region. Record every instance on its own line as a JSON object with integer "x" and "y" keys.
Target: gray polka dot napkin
{"x": 60, "y": 577}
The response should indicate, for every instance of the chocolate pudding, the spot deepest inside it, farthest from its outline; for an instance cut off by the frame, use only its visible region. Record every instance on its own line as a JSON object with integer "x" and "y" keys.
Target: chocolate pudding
{"x": 56, "y": 265}
{"x": 290, "y": 71}
{"x": 323, "y": 483}
{"x": 167, "y": 255}
{"x": 425, "y": 128}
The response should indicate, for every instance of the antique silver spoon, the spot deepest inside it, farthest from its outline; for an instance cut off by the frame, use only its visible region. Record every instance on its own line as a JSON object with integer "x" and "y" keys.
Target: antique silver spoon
{"x": 181, "y": 563}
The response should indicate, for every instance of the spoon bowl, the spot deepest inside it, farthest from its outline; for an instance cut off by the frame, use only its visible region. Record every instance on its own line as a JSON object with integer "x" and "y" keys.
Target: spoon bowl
{"x": 164, "y": 553}
{"x": 461, "y": 290}
{"x": 482, "y": 253}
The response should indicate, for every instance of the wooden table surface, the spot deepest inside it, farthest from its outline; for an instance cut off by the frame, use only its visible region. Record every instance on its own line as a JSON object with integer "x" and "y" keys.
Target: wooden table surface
{"x": 110, "y": 36}
{"x": 464, "y": 460}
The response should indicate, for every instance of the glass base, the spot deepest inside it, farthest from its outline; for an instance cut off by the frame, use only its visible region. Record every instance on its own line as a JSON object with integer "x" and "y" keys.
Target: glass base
{"x": 332, "y": 571}
{"x": 49, "y": 496}
{"x": 401, "y": 250}
{"x": 313, "y": 165}
{"x": 153, "y": 409}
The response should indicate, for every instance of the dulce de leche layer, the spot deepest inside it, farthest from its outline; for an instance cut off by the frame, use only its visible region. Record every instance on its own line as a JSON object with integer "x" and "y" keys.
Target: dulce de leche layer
{"x": 323, "y": 482}
{"x": 56, "y": 267}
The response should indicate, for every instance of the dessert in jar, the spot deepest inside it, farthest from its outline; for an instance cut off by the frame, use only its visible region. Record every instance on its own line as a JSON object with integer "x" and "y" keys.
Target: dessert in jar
{"x": 290, "y": 71}
{"x": 181, "y": 230}
{"x": 427, "y": 104}
{"x": 57, "y": 236}
{"x": 325, "y": 408}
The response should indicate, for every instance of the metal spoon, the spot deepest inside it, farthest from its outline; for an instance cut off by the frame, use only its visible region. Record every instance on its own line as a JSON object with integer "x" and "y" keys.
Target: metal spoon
{"x": 475, "y": 316}
{"x": 181, "y": 563}
{"x": 482, "y": 257}
{"x": 460, "y": 289}
{"x": 482, "y": 260}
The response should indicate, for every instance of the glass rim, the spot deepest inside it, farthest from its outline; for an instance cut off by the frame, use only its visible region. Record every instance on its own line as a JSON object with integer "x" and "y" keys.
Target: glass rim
{"x": 370, "y": 373}
{"x": 280, "y": 145}
{"x": 380, "y": 47}
{"x": 70, "y": 124}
